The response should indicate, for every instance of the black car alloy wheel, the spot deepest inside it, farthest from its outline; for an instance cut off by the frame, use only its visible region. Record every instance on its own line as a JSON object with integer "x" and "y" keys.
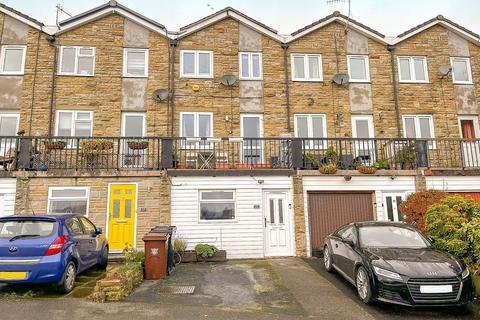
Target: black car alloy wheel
{"x": 362, "y": 282}
{"x": 327, "y": 259}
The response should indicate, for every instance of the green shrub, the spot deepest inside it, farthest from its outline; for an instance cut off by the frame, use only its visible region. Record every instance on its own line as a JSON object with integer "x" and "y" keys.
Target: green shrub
{"x": 454, "y": 225}
{"x": 415, "y": 207}
{"x": 205, "y": 251}
{"x": 134, "y": 256}
{"x": 180, "y": 245}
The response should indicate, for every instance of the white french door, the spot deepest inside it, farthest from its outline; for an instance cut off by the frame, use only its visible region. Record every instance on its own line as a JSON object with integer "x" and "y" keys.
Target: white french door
{"x": 251, "y": 127}
{"x": 391, "y": 204}
{"x": 277, "y": 222}
{"x": 8, "y": 128}
{"x": 133, "y": 125}
{"x": 470, "y": 147}
{"x": 362, "y": 128}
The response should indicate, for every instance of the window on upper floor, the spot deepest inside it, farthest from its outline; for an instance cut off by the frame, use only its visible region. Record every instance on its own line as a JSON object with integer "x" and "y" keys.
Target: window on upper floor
{"x": 413, "y": 69}
{"x": 12, "y": 59}
{"x": 312, "y": 126}
{"x": 196, "y": 124}
{"x": 196, "y": 64}
{"x": 135, "y": 62}
{"x": 77, "y": 61}
{"x": 8, "y": 128}
{"x": 74, "y": 124}
{"x": 250, "y": 65}
{"x": 68, "y": 200}
{"x": 419, "y": 127}
{"x": 461, "y": 71}
{"x": 358, "y": 68}
{"x": 307, "y": 67}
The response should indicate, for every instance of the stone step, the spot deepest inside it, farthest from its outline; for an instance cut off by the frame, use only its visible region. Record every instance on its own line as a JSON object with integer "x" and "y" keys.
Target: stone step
{"x": 116, "y": 257}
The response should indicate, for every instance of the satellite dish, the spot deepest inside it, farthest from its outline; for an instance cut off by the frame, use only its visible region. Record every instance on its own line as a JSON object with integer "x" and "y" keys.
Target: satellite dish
{"x": 444, "y": 70}
{"x": 160, "y": 94}
{"x": 228, "y": 80}
{"x": 340, "y": 78}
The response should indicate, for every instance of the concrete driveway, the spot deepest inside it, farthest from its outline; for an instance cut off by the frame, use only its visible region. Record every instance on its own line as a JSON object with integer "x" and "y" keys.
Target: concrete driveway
{"x": 387, "y": 311}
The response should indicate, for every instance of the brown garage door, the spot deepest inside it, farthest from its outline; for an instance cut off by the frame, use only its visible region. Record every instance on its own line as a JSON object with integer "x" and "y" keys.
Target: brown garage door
{"x": 329, "y": 210}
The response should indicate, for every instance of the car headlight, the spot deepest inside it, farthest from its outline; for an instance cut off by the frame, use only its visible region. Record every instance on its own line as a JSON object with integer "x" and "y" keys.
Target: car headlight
{"x": 465, "y": 273}
{"x": 387, "y": 274}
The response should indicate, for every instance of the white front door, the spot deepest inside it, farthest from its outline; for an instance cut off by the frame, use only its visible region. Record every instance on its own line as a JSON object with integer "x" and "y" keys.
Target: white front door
{"x": 469, "y": 131}
{"x": 278, "y": 241}
{"x": 133, "y": 125}
{"x": 252, "y": 127}
{"x": 362, "y": 129}
{"x": 391, "y": 204}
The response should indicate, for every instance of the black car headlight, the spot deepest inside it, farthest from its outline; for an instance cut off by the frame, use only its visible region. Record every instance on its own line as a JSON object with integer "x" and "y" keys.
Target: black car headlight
{"x": 465, "y": 273}
{"x": 387, "y": 274}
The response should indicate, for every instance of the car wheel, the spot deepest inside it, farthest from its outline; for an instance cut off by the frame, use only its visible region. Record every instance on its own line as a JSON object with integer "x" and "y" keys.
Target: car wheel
{"x": 68, "y": 279}
{"x": 362, "y": 282}
{"x": 103, "y": 260}
{"x": 327, "y": 259}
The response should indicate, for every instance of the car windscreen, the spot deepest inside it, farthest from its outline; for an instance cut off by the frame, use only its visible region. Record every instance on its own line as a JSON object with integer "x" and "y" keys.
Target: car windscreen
{"x": 390, "y": 237}
{"x": 27, "y": 228}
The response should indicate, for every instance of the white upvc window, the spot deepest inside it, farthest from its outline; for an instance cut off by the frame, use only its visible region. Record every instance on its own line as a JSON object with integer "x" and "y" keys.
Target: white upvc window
{"x": 307, "y": 67}
{"x": 419, "y": 127}
{"x": 358, "y": 68}
{"x": 216, "y": 205}
{"x": 8, "y": 128}
{"x": 196, "y": 64}
{"x": 135, "y": 62}
{"x": 461, "y": 71}
{"x": 413, "y": 69}
{"x": 74, "y": 124}
{"x": 12, "y": 59}
{"x": 68, "y": 200}
{"x": 250, "y": 65}
{"x": 77, "y": 61}
{"x": 196, "y": 124}
{"x": 313, "y": 127}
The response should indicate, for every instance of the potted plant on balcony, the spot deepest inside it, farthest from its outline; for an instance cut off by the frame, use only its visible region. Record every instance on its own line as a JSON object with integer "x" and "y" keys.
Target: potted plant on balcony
{"x": 96, "y": 152}
{"x": 330, "y": 168}
{"x": 312, "y": 161}
{"x": 405, "y": 157}
{"x": 137, "y": 145}
{"x": 381, "y": 165}
{"x": 331, "y": 155}
{"x": 366, "y": 169}
{"x": 54, "y": 145}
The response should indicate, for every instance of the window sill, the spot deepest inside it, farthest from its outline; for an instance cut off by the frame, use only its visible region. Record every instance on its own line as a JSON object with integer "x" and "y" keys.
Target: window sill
{"x": 415, "y": 82}
{"x": 250, "y": 79}
{"x": 12, "y": 73}
{"x": 216, "y": 221}
{"x": 142, "y": 77}
{"x": 308, "y": 80}
{"x": 197, "y": 77}
{"x": 360, "y": 81}
{"x": 75, "y": 75}
{"x": 467, "y": 83}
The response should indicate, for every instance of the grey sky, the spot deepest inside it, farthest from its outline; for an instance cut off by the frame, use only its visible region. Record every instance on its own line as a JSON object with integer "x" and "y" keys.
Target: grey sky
{"x": 390, "y": 17}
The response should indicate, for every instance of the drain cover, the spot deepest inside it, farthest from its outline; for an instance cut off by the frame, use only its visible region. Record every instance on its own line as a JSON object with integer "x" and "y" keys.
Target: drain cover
{"x": 178, "y": 290}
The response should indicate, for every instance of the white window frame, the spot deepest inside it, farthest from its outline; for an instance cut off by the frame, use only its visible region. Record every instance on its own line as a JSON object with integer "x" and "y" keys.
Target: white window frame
{"x": 250, "y": 66}
{"x": 71, "y": 143}
{"x": 469, "y": 70}
{"x": 476, "y": 125}
{"x": 234, "y": 200}
{"x": 367, "y": 68}
{"x": 412, "y": 69}
{"x": 311, "y": 144}
{"x": 138, "y": 114}
{"x": 196, "y": 117}
{"x": 77, "y": 55}
{"x": 306, "y": 68}
{"x": 12, "y": 115}
{"x": 125, "y": 55}
{"x": 87, "y": 196}
{"x": 196, "y": 67}
{"x": 417, "y": 127}
{"x": 2, "y": 59}
{"x": 369, "y": 119}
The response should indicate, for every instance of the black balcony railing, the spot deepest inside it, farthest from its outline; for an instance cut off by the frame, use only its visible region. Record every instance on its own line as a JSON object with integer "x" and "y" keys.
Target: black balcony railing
{"x": 93, "y": 153}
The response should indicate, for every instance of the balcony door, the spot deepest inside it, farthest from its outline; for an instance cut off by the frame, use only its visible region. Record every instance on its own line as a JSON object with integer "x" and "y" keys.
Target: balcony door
{"x": 8, "y": 128}
{"x": 252, "y": 127}
{"x": 470, "y": 146}
{"x": 362, "y": 129}
{"x": 133, "y": 129}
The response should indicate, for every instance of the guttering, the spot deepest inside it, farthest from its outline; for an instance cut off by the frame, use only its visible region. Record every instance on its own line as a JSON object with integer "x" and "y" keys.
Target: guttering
{"x": 34, "y": 84}
{"x": 51, "y": 41}
{"x": 173, "y": 45}
{"x": 287, "y": 89}
{"x": 391, "y": 49}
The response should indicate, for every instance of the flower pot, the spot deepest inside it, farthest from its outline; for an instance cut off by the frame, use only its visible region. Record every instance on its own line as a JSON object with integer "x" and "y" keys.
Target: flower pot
{"x": 221, "y": 166}
{"x": 219, "y": 256}
{"x": 243, "y": 166}
{"x": 54, "y": 145}
{"x": 328, "y": 170}
{"x": 262, "y": 166}
{"x": 137, "y": 145}
{"x": 189, "y": 256}
{"x": 476, "y": 283}
{"x": 366, "y": 170}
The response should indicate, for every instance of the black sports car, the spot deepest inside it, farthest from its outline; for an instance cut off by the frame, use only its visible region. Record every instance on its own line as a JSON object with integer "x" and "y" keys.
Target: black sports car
{"x": 393, "y": 262}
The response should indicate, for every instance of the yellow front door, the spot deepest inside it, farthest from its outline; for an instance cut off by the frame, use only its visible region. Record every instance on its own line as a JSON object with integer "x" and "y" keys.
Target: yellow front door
{"x": 121, "y": 216}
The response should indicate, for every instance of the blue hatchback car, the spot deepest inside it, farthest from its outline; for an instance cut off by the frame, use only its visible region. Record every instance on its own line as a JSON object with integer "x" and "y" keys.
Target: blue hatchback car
{"x": 49, "y": 249}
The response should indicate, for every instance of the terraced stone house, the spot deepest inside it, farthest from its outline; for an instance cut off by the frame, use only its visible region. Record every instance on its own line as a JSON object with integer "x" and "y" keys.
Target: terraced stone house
{"x": 220, "y": 128}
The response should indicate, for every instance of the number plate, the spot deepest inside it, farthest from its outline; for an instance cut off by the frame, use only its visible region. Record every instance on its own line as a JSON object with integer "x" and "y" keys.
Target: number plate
{"x": 13, "y": 275}
{"x": 436, "y": 289}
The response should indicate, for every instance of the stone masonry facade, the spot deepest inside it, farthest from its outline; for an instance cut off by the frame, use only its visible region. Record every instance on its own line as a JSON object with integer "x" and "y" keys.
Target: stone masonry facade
{"x": 40, "y": 92}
